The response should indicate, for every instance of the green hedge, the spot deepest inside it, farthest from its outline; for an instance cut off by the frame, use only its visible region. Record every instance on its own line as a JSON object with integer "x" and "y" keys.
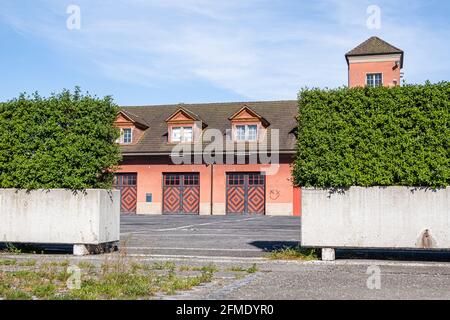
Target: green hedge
{"x": 64, "y": 141}
{"x": 374, "y": 137}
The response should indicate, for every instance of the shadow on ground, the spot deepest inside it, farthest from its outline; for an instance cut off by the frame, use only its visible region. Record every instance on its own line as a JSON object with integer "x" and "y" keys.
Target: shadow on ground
{"x": 398, "y": 255}
{"x": 269, "y": 246}
{"x": 36, "y": 248}
{"x": 367, "y": 254}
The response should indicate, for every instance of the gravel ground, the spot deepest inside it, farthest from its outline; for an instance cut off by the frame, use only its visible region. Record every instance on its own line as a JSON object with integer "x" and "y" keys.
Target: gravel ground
{"x": 290, "y": 280}
{"x": 341, "y": 280}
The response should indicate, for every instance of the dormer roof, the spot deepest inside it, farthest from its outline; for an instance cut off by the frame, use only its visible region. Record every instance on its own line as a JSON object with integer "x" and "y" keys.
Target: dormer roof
{"x": 134, "y": 118}
{"x": 246, "y": 113}
{"x": 183, "y": 114}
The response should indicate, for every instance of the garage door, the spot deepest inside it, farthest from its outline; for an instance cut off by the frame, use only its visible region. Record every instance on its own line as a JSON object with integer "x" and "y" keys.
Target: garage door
{"x": 181, "y": 193}
{"x": 246, "y": 193}
{"x": 127, "y": 184}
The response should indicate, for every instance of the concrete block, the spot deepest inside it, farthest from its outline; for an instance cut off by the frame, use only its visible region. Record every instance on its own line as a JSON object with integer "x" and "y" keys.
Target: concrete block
{"x": 378, "y": 217}
{"x": 328, "y": 254}
{"x": 60, "y": 216}
{"x": 80, "y": 250}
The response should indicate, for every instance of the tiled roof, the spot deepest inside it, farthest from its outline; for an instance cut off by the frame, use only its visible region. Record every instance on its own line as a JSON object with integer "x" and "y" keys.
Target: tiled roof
{"x": 280, "y": 114}
{"x": 135, "y": 118}
{"x": 374, "y": 46}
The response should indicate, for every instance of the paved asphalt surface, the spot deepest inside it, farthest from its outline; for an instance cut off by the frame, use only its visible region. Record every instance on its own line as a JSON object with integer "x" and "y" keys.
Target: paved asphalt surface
{"x": 229, "y": 242}
{"x": 243, "y": 240}
{"x": 338, "y": 281}
{"x": 221, "y": 236}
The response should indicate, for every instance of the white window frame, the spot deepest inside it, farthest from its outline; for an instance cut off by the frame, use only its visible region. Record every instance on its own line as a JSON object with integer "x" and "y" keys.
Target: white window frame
{"x": 373, "y": 74}
{"x": 246, "y": 132}
{"x": 182, "y": 138}
{"x": 122, "y": 136}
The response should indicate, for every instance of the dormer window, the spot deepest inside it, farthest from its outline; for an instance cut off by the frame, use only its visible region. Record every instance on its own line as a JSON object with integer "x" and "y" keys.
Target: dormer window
{"x": 247, "y": 125}
{"x": 126, "y": 136}
{"x": 246, "y": 132}
{"x": 182, "y": 134}
{"x": 184, "y": 126}
{"x": 132, "y": 127}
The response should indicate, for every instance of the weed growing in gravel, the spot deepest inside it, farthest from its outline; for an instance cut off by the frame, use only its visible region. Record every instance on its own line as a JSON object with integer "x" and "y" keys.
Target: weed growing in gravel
{"x": 296, "y": 253}
{"x": 168, "y": 265}
{"x": 8, "y": 262}
{"x": 12, "y": 249}
{"x": 113, "y": 279}
{"x": 27, "y": 263}
{"x": 208, "y": 268}
{"x": 252, "y": 269}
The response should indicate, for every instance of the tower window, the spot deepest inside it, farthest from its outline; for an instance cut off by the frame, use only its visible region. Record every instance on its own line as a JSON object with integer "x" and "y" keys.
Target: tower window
{"x": 374, "y": 80}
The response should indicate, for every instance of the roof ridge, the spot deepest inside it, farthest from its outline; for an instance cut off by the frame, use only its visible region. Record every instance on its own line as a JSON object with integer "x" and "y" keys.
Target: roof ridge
{"x": 207, "y": 103}
{"x": 378, "y": 38}
{"x": 389, "y": 48}
{"x": 362, "y": 44}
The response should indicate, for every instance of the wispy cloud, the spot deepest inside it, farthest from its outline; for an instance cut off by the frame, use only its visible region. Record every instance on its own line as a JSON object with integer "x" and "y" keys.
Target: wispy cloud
{"x": 259, "y": 49}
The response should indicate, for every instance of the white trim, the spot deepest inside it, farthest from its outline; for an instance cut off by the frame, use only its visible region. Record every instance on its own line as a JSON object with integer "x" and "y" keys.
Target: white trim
{"x": 374, "y": 73}
{"x": 182, "y": 128}
{"x": 375, "y": 58}
{"x": 246, "y": 130}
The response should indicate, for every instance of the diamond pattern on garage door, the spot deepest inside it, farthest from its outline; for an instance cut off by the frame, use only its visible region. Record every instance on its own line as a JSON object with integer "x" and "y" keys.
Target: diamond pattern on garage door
{"x": 246, "y": 193}
{"x": 236, "y": 199}
{"x": 191, "y": 199}
{"x": 172, "y": 200}
{"x": 127, "y": 184}
{"x": 181, "y": 193}
{"x": 255, "y": 199}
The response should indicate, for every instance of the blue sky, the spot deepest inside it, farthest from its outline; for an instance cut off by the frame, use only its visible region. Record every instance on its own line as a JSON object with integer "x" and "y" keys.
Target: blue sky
{"x": 171, "y": 51}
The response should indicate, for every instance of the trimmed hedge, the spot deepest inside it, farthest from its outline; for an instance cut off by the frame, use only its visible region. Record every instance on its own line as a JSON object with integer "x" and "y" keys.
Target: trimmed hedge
{"x": 64, "y": 141}
{"x": 374, "y": 137}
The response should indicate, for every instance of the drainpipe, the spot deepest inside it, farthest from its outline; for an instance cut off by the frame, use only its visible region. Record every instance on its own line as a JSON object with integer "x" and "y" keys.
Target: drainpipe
{"x": 212, "y": 189}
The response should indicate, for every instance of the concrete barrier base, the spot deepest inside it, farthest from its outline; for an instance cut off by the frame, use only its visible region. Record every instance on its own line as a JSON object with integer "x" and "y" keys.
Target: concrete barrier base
{"x": 87, "y": 249}
{"x": 88, "y": 220}
{"x": 376, "y": 217}
{"x": 328, "y": 254}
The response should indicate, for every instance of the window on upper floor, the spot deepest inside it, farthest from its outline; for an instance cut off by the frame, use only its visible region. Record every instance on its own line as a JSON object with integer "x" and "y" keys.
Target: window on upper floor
{"x": 374, "y": 80}
{"x": 181, "y": 134}
{"x": 246, "y": 132}
{"x": 126, "y": 136}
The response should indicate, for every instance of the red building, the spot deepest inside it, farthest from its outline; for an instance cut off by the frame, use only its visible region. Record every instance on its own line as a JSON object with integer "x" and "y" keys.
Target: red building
{"x": 374, "y": 63}
{"x": 226, "y": 158}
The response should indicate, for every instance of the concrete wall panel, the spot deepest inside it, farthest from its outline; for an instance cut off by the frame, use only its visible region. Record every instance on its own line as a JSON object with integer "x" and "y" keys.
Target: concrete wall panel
{"x": 59, "y": 216}
{"x": 391, "y": 217}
